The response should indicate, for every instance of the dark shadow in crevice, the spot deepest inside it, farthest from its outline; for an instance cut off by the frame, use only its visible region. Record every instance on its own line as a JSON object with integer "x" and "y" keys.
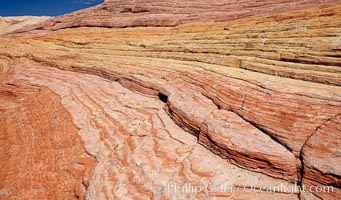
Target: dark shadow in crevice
{"x": 162, "y": 97}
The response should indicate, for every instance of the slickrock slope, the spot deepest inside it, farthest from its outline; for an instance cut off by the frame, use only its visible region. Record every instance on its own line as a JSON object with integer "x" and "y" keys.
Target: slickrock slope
{"x": 137, "y": 13}
{"x": 42, "y": 155}
{"x": 139, "y": 150}
{"x": 208, "y": 94}
{"x": 10, "y": 24}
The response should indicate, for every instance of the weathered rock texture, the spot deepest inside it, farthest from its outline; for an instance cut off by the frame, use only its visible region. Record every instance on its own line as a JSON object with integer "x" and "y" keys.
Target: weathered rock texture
{"x": 95, "y": 105}
{"x": 9, "y": 24}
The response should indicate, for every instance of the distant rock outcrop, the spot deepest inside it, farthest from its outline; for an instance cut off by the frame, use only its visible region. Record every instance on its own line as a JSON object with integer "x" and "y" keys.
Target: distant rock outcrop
{"x": 10, "y": 24}
{"x": 143, "y": 99}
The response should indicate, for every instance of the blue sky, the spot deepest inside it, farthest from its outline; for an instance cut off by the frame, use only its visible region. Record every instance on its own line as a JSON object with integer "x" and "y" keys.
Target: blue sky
{"x": 43, "y": 7}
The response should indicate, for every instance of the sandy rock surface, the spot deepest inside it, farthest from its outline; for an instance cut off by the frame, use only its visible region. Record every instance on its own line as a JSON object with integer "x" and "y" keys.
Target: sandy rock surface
{"x": 9, "y": 24}
{"x": 174, "y": 100}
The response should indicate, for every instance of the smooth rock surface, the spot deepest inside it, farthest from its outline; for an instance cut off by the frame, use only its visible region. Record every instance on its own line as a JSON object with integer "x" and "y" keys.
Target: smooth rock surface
{"x": 135, "y": 99}
{"x": 10, "y": 24}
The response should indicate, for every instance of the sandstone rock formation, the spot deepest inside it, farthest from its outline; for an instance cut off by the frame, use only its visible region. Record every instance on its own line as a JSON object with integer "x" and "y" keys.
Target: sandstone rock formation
{"x": 10, "y": 24}
{"x": 134, "y": 99}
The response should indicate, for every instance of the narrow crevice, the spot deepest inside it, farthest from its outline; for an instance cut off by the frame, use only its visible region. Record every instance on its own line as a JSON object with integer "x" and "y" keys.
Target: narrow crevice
{"x": 250, "y": 122}
{"x": 301, "y": 171}
{"x": 300, "y": 157}
{"x": 292, "y": 60}
{"x": 299, "y": 195}
{"x": 257, "y": 126}
{"x": 235, "y": 161}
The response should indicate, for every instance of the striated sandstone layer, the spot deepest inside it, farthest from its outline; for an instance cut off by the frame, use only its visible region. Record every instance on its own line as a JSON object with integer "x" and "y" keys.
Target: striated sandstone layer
{"x": 139, "y": 150}
{"x": 207, "y": 94}
{"x": 37, "y": 135}
{"x": 137, "y": 13}
{"x": 10, "y": 24}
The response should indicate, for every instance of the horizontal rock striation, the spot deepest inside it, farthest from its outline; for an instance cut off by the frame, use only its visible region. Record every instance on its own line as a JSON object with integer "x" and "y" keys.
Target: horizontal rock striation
{"x": 137, "y": 13}
{"x": 230, "y": 136}
{"x": 321, "y": 155}
{"x": 10, "y": 24}
{"x": 207, "y": 93}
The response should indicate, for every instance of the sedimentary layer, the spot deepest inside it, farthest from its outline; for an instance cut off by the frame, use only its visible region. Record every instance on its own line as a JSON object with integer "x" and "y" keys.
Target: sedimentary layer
{"x": 10, "y": 24}
{"x": 137, "y": 13}
{"x": 245, "y": 97}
